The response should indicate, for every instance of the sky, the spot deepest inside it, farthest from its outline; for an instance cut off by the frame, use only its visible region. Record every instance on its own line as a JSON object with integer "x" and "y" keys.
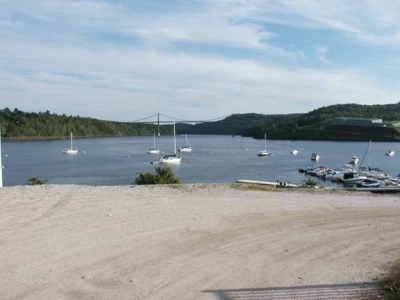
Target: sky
{"x": 126, "y": 60}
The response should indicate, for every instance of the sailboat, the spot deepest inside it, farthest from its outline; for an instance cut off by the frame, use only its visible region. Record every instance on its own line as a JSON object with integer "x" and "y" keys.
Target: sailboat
{"x": 71, "y": 150}
{"x": 153, "y": 150}
{"x": 369, "y": 172}
{"x": 171, "y": 159}
{"x": 264, "y": 152}
{"x": 187, "y": 147}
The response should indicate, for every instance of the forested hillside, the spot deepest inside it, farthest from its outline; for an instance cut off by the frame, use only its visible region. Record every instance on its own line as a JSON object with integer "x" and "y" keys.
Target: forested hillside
{"x": 234, "y": 124}
{"x": 19, "y": 124}
{"x": 312, "y": 126}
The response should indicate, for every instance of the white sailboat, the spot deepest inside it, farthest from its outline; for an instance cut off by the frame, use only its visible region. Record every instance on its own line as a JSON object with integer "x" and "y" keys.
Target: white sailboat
{"x": 264, "y": 152}
{"x": 187, "y": 147}
{"x": 71, "y": 150}
{"x": 171, "y": 159}
{"x": 369, "y": 172}
{"x": 153, "y": 150}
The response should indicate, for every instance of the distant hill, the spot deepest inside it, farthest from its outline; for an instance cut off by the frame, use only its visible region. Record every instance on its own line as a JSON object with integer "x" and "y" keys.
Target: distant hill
{"x": 234, "y": 124}
{"x": 314, "y": 125}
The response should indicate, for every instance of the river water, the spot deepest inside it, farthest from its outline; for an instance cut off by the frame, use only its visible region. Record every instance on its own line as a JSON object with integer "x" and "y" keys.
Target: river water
{"x": 119, "y": 160}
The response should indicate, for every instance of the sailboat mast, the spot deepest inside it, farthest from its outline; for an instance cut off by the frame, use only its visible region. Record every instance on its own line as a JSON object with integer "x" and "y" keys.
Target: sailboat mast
{"x": 71, "y": 141}
{"x": 369, "y": 156}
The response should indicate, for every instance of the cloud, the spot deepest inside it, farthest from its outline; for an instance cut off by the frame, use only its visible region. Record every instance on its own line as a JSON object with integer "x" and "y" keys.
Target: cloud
{"x": 197, "y": 59}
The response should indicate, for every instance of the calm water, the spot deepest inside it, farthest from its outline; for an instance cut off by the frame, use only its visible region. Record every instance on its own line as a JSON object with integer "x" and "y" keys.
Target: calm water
{"x": 118, "y": 161}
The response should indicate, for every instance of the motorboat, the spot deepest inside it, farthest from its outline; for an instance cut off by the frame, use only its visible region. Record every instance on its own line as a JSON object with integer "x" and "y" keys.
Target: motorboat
{"x": 317, "y": 171}
{"x": 334, "y": 174}
{"x": 352, "y": 178}
{"x": 395, "y": 179}
{"x": 373, "y": 173}
{"x": 315, "y": 156}
{"x": 369, "y": 183}
{"x": 294, "y": 152}
{"x": 390, "y": 153}
{"x": 353, "y": 160}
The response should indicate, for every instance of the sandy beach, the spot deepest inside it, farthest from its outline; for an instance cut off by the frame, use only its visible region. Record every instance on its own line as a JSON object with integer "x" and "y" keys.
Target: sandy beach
{"x": 202, "y": 241}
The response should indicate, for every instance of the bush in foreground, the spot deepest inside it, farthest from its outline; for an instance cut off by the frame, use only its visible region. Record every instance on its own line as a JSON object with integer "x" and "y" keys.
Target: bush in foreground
{"x": 163, "y": 175}
{"x": 36, "y": 181}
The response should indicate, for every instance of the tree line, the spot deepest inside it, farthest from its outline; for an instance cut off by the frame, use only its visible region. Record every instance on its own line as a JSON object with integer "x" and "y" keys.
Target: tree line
{"x": 311, "y": 125}
{"x": 18, "y": 124}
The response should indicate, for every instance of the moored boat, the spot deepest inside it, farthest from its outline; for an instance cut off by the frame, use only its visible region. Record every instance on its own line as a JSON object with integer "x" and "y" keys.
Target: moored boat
{"x": 264, "y": 152}
{"x": 390, "y": 153}
{"x": 172, "y": 158}
{"x": 153, "y": 150}
{"x": 315, "y": 156}
{"x": 353, "y": 160}
{"x": 187, "y": 147}
{"x": 294, "y": 152}
{"x": 71, "y": 150}
{"x": 369, "y": 183}
{"x": 352, "y": 178}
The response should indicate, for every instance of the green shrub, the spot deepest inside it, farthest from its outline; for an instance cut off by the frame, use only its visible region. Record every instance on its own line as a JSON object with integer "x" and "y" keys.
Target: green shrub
{"x": 36, "y": 181}
{"x": 164, "y": 175}
{"x": 309, "y": 183}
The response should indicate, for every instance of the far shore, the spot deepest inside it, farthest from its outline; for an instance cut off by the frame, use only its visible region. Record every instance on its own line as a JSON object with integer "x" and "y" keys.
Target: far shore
{"x": 12, "y": 139}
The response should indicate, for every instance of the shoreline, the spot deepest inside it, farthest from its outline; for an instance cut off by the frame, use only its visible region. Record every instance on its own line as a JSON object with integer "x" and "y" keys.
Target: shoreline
{"x": 33, "y": 139}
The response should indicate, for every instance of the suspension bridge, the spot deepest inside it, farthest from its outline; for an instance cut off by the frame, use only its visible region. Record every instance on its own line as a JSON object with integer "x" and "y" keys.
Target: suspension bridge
{"x": 156, "y": 119}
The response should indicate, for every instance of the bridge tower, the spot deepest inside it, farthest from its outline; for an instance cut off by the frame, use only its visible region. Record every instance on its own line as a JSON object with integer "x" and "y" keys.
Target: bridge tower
{"x": 158, "y": 124}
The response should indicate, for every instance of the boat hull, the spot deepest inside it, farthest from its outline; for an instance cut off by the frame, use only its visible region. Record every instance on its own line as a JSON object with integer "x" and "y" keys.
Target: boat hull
{"x": 170, "y": 159}
{"x": 263, "y": 153}
{"x": 185, "y": 149}
{"x": 70, "y": 151}
{"x": 153, "y": 151}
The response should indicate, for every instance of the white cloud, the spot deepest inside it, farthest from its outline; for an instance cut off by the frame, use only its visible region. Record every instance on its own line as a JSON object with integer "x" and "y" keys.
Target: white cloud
{"x": 190, "y": 59}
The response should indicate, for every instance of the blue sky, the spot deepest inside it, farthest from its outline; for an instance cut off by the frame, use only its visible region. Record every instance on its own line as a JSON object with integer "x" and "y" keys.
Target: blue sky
{"x": 198, "y": 60}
